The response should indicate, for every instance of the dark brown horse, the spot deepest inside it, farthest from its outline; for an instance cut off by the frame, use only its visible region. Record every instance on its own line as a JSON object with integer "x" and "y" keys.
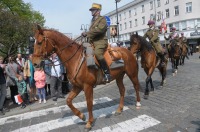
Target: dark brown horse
{"x": 174, "y": 53}
{"x": 84, "y": 78}
{"x": 149, "y": 60}
{"x": 184, "y": 53}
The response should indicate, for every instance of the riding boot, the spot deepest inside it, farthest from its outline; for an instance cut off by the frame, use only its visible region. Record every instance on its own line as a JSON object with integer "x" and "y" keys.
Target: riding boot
{"x": 163, "y": 59}
{"x": 104, "y": 67}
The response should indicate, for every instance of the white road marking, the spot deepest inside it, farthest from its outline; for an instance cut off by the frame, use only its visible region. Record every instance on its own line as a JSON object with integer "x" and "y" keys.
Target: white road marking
{"x": 29, "y": 115}
{"x": 66, "y": 121}
{"x": 133, "y": 125}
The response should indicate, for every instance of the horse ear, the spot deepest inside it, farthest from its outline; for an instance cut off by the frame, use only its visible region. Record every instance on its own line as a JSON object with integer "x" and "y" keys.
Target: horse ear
{"x": 40, "y": 29}
{"x": 136, "y": 34}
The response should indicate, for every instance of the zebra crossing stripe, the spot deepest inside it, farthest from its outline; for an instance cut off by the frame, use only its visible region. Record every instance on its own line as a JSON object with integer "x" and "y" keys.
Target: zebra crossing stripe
{"x": 29, "y": 115}
{"x": 133, "y": 125}
{"x": 66, "y": 121}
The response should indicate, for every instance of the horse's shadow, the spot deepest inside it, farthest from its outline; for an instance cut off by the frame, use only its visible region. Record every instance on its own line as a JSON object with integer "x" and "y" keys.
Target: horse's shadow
{"x": 198, "y": 124}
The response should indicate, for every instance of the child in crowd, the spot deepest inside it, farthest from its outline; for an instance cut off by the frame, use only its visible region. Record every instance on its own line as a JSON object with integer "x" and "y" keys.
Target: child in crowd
{"x": 22, "y": 90}
{"x": 40, "y": 81}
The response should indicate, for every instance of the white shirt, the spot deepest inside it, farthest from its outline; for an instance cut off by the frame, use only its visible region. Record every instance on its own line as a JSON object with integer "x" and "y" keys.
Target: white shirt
{"x": 56, "y": 70}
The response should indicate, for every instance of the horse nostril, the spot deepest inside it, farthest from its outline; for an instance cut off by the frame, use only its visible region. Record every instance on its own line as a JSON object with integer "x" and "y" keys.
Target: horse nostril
{"x": 34, "y": 64}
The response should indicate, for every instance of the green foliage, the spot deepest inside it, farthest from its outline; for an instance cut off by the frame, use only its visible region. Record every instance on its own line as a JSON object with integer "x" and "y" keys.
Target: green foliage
{"x": 17, "y": 20}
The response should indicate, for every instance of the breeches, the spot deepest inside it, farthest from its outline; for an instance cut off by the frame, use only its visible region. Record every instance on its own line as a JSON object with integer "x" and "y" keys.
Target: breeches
{"x": 99, "y": 50}
{"x": 158, "y": 48}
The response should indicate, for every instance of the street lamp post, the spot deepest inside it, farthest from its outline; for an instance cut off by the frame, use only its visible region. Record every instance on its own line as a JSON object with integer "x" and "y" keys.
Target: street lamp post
{"x": 31, "y": 44}
{"x": 84, "y": 27}
{"x": 116, "y": 1}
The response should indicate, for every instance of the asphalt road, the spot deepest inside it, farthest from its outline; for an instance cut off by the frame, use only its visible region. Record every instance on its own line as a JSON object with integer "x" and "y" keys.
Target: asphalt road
{"x": 172, "y": 108}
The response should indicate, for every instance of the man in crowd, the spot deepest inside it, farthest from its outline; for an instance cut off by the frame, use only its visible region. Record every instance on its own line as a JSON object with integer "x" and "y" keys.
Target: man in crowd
{"x": 57, "y": 71}
{"x": 3, "y": 92}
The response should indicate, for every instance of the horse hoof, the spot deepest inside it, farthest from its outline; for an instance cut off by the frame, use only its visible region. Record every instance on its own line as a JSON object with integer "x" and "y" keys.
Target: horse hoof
{"x": 84, "y": 118}
{"x": 117, "y": 113}
{"x": 138, "y": 105}
{"x": 152, "y": 89}
{"x": 88, "y": 127}
{"x": 146, "y": 96}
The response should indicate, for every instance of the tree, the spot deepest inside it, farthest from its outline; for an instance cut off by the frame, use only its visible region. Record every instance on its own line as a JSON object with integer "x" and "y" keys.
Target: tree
{"x": 17, "y": 21}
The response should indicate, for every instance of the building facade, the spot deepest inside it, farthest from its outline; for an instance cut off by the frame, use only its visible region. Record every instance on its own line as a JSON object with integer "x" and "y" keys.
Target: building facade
{"x": 182, "y": 14}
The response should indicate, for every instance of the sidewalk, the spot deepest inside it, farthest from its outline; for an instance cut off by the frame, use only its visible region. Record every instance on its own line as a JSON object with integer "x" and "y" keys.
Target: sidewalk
{"x": 14, "y": 110}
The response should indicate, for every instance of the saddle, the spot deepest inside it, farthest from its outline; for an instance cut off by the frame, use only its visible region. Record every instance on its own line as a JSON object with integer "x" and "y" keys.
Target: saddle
{"x": 112, "y": 56}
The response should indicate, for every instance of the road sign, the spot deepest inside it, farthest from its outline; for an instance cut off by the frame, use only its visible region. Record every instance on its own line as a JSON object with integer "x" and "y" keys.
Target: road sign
{"x": 107, "y": 20}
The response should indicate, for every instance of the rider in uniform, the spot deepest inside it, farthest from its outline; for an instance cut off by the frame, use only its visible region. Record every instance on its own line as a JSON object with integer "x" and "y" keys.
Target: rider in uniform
{"x": 152, "y": 35}
{"x": 173, "y": 37}
{"x": 183, "y": 41}
{"x": 97, "y": 37}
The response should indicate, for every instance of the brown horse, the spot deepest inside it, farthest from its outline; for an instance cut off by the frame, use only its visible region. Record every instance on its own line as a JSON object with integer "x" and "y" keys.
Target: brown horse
{"x": 184, "y": 53}
{"x": 84, "y": 78}
{"x": 174, "y": 53}
{"x": 149, "y": 60}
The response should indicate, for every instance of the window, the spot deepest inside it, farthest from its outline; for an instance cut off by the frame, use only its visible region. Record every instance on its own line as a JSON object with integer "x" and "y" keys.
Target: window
{"x": 184, "y": 25}
{"x": 159, "y": 16}
{"x": 143, "y": 20}
{"x": 136, "y": 22}
{"x": 142, "y": 8}
{"x": 198, "y": 23}
{"x": 135, "y": 11}
{"x": 120, "y": 17}
{"x": 190, "y": 24}
{"x": 129, "y": 13}
{"x": 152, "y": 17}
{"x": 167, "y": 2}
{"x": 151, "y": 5}
{"x": 189, "y": 7}
{"x": 158, "y": 3}
{"x": 170, "y": 27}
{"x": 125, "y": 26}
{"x": 176, "y": 10}
{"x": 124, "y": 15}
{"x": 176, "y": 25}
{"x": 167, "y": 13}
{"x": 130, "y": 24}
{"x": 120, "y": 26}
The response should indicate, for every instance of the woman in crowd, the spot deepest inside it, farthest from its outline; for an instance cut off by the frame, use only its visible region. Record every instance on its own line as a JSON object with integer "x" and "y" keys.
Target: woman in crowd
{"x": 11, "y": 70}
{"x": 29, "y": 76}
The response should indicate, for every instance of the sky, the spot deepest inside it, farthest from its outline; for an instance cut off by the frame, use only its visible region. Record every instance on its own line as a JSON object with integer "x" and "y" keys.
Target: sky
{"x": 67, "y": 16}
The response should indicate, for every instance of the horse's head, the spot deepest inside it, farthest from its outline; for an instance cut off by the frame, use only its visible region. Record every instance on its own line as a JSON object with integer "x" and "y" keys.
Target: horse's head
{"x": 175, "y": 48}
{"x": 135, "y": 43}
{"x": 43, "y": 47}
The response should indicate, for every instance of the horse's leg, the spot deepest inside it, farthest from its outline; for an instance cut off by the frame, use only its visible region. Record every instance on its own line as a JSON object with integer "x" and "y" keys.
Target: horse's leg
{"x": 89, "y": 98}
{"x": 135, "y": 81}
{"x": 121, "y": 87}
{"x": 183, "y": 61}
{"x": 151, "y": 82}
{"x": 74, "y": 92}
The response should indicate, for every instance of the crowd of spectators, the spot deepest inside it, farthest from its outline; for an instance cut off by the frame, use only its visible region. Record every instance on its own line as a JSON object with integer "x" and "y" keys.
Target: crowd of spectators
{"x": 31, "y": 84}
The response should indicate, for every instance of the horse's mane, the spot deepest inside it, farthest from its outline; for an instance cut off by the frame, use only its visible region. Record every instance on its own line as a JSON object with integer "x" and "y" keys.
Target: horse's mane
{"x": 59, "y": 34}
{"x": 144, "y": 43}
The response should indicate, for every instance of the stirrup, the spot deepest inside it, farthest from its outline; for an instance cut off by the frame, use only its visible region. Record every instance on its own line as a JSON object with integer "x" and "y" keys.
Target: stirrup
{"x": 107, "y": 77}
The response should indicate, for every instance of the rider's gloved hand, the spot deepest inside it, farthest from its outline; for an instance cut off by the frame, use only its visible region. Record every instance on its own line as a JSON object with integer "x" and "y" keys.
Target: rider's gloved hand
{"x": 84, "y": 34}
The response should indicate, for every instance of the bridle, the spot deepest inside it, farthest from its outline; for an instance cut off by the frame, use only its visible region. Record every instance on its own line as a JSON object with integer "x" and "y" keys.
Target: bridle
{"x": 46, "y": 55}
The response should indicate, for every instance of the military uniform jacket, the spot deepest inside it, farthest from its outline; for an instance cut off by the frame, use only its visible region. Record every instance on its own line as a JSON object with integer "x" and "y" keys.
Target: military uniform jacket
{"x": 152, "y": 35}
{"x": 97, "y": 31}
{"x": 183, "y": 40}
{"x": 172, "y": 37}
